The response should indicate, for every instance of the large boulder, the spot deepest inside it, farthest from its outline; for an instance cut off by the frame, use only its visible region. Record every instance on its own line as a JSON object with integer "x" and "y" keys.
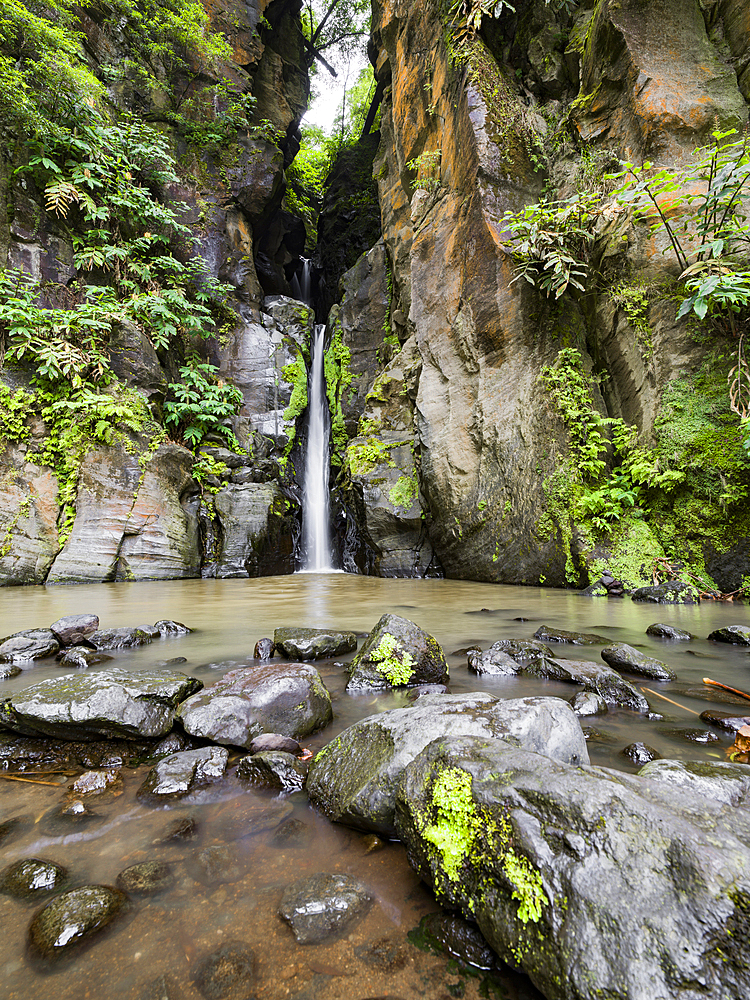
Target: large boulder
{"x": 397, "y": 653}
{"x": 270, "y": 698}
{"x": 353, "y": 780}
{"x": 593, "y": 882}
{"x": 597, "y": 677}
{"x": 74, "y": 629}
{"x": 120, "y": 703}
{"x": 624, "y": 657}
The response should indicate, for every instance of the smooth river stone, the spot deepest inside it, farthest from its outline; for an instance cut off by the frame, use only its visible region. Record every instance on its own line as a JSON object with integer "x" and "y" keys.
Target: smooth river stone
{"x": 397, "y": 653}
{"x": 74, "y": 629}
{"x": 606, "y": 682}
{"x": 72, "y": 918}
{"x": 546, "y": 633}
{"x": 33, "y": 644}
{"x": 182, "y": 773}
{"x": 624, "y": 657}
{"x": 322, "y": 905}
{"x": 737, "y": 635}
{"x": 32, "y": 878}
{"x": 313, "y": 643}
{"x": 116, "y": 703}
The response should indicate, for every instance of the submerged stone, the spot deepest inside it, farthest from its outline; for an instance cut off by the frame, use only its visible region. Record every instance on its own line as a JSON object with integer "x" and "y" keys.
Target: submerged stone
{"x": 461, "y": 939}
{"x": 146, "y": 878}
{"x": 625, "y": 657}
{"x": 313, "y": 643}
{"x": 322, "y": 905}
{"x": 73, "y": 918}
{"x": 167, "y": 627}
{"x": 587, "y": 703}
{"x": 32, "y": 878}
{"x": 730, "y": 721}
{"x": 397, "y": 653}
{"x": 226, "y": 973}
{"x": 694, "y": 735}
{"x": 548, "y": 634}
{"x": 273, "y": 769}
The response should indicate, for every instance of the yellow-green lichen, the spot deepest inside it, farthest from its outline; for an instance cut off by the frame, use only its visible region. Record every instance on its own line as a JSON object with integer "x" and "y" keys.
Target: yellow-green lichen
{"x": 392, "y": 661}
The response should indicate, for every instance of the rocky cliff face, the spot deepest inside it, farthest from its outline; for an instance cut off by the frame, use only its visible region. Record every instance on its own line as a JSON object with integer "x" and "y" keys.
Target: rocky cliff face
{"x": 479, "y": 124}
{"x": 135, "y": 511}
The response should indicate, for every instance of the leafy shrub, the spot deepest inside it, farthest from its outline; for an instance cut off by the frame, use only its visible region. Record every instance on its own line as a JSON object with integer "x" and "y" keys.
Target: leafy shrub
{"x": 199, "y": 405}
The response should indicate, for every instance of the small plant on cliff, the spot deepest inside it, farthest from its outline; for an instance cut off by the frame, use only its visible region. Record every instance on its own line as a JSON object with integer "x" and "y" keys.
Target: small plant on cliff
{"x": 427, "y": 168}
{"x": 200, "y": 404}
{"x": 551, "y": 242}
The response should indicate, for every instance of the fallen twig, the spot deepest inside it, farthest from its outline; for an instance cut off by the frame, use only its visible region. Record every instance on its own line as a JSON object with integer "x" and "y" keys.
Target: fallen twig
{"x": 676, "y": 703}
{"x": 31, "y": 781}
{"x": 726, "y": 687}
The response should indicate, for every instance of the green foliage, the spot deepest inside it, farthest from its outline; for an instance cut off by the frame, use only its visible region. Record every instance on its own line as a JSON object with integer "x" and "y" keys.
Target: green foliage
{"x": 337, "y": 25}
{"x": 634, "y": 302}
{"x": 339, "y": 377}
{"x": 170, "y": 44}
{"x": 405, "y": 492}
{"x": 456, "y": 824}
{"x": 15, "y": 406}
{"x": 393, "y": 662}
{"x": 427, "y": 168}
{"x": 200, "y": 404}
{"x": 43, "y": 78}
{"x": 551, "y": 242}
{"x": 305, "y": 177}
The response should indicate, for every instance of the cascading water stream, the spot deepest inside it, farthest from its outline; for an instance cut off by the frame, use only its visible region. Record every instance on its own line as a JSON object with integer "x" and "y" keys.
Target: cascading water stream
{"x": 315, "y": 500}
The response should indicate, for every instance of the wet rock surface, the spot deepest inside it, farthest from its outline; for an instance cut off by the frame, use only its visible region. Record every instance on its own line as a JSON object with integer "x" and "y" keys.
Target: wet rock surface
{"x": 461, "y": 939}
{"x": 81, "y": 658}
{"x": 264, "y": 649}
{"x": 182, "y": 773}
{"x": 73, "y": 918}
{"x": 603, "y": 680}
{"x": 661, "y": 631}
{"x": 559, "y": 846}
{"x": 274, "y": 741}
{"x": 273, "y": 769}
{"x": 227, "y": 973}
{"x": 287, "y": 699}
{"x": 397, "y": 653}
{"x": 730, "y": 721}
{"x": 621, "y": 656}
{"x": 167, "y": 627}
{"x": 100, "y": 782}
{"x": 693, "y": 735}
{"x": 353, "y": 780}
{"x": 116, "y": 703}
{"x": 722, "y": 781}
{"x": 146, "y": 879}
{"x": 672, "y": 592}
{"x": 588, "y": 703}
{"x": 184, "y": 828}
{"x": 323, "y": 905}
{"x": 494, "y": 662}
{"x": 121, "y": 638}
{"x": 313, "y": 643}
{"x": 8, "y": 670}
{"x": 640, "y": 753}
{"x": 33, "y": 644}
{"x": 737, "y": 635}
{"x": 74, "y": 629}
{"x": 545, "y": 633}
{"x": 31, "y": 878}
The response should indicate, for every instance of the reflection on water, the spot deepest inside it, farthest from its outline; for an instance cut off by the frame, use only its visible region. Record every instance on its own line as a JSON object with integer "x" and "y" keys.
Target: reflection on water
{"x": 248, "y": 846}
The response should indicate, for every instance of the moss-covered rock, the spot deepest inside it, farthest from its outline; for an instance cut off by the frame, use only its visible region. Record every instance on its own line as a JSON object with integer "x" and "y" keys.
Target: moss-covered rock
{"x": 397, "y": 653}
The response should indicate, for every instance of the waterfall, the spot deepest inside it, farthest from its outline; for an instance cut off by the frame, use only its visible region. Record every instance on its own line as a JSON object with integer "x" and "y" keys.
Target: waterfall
{"x": 316, "y": 515}
{"x": 315, "y": 501}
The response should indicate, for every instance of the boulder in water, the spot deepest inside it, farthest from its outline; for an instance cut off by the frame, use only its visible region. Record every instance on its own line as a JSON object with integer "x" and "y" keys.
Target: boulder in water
{"x": 116, "y": 702}
{"x": 273, "y": 769}
{"x": 313, "y": 643}
{"x": 604, "y": 681}
{"x": 31, "y": 878}
{"x": 672, "y": 592}
{"x": 593, "y": 882}
{"x": 621, "y": 656}
{"x": 178, "y": 775}
{"x": 661, "y": 631}
{"x": 397, "y": 653}
{"x": 74, "y": 629}
{"x": 546, "y": 633}
{"x": 168, "y": 627}
{"x": 737, "y": 635}
{"x": 289, "y": 699}
{"x": 122, "y": 638}
{"x": 33, "y": 644}
{"x": 353, "y": 780}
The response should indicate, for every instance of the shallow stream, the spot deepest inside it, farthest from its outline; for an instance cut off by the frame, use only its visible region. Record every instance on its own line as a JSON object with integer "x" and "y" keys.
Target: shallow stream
{"x": 237, "y": 900}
